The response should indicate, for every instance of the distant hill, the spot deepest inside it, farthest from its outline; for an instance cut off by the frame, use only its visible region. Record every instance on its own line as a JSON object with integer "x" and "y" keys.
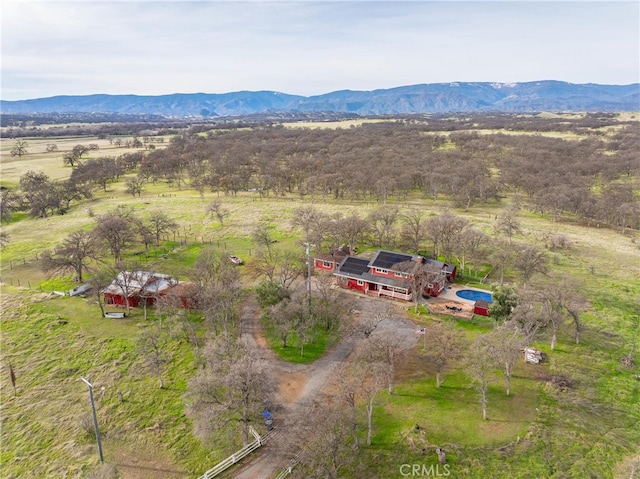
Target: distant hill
{"x": 536, "y": 96}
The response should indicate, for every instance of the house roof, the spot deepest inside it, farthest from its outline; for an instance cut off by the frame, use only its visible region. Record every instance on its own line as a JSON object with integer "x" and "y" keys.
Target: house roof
{"x": 139, "y": 282}
{"x": 353, "y": 266}
{"x": 335, "y": 257}
{"x": 358, "y": 268}
{"x": 386, "y": 259}
{"x": 441, "y": 265}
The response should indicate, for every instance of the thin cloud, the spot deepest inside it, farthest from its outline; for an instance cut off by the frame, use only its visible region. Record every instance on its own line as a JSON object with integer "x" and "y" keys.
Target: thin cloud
{"x": 305, "y": 47}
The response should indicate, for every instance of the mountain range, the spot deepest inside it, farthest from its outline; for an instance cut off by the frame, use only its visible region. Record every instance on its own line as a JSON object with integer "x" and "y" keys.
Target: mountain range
{"x": 549, "y": 95}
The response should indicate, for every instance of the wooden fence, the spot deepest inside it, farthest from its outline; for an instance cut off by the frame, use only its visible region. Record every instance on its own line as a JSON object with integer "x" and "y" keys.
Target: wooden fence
{"x": 289, "y": 469}
{"x": 238, "y": 455}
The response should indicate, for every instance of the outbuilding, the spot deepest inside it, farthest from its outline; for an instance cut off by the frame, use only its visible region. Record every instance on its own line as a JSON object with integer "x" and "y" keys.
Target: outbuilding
{"x": 481, "y": 307}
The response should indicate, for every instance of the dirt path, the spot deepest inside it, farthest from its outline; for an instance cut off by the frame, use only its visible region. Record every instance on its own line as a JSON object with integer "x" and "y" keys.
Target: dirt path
{"x": 298, "y": 385}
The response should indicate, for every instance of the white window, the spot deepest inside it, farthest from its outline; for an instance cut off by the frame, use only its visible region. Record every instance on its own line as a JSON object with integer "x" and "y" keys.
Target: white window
{"x": 360, "y": 282}
{"x": 381, "y": 270}
{"x": 326, "y": 264}
{"x": 398, "y": 274}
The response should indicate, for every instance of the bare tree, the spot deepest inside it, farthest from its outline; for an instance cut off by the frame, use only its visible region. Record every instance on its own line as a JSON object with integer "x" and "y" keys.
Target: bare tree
{"x": 352, "y": 230}
{"x": 135, "y": 185}
{"x": 39, "y": 192}
{"x": 530, "y": 259}
{"x": 115, "y": 229}
{"x": 4, "y": 239}
{"x": 443, "y": 345}
{"x": 152, "y": 347}
{"x": 20, "y": 148}
{"x": 382, "y": 227}
{"x": 9, "y": 202}
{"x": 413, "y": 232}
{"x": 506, "y": 343}
{"x": 553, "y": 296}
{"x": 216, "y": 208}
{"x": 218, "y": 286}
{"x": 502, "y": 257}
{"x": 384, "y": 347}
{"x": 100, "y": 279}
{"x": 575, "y": 305}
{"x": 263, "y": 237}
{"x": 286, "y": 315}
{"x": 75, "y": 155}
{"x": 470, "y": 247}
{"x": 71, "y": 255}
{"x": 480, "y": 369}
{"x": 128, "y": 280}
{"x": 290, "y": 266}
{"x": 159, "y": 223}
{"x": 372, "y": 377}
{"x": 330, "y": 306}
{"x": 328, "y": 451}
{"x": 367, "y": 323}
{"x": 507, "y": 222}
{"x": 444, "y": 231}
{"x": 230, "y": 388}
{"x": 306, "y": 218}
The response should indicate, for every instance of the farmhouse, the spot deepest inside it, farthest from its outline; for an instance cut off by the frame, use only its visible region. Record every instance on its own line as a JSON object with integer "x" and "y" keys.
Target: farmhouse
{"x": 394, "y": 275}
{"x": 137, "y": 288}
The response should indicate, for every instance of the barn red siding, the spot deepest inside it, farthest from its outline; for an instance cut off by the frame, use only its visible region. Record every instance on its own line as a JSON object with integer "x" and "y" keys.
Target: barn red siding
{"x": 320, "y": 264}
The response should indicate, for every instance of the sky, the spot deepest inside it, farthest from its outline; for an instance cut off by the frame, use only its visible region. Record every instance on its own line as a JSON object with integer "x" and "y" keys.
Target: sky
{"x": 303, "y": 47}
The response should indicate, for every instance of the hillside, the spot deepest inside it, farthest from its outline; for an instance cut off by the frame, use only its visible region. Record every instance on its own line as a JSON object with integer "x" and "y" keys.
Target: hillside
{"x": 427, "y": 98}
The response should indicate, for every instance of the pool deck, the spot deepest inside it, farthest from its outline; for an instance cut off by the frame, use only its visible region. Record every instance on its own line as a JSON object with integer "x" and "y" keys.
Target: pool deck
{"x": 449, "y": 294}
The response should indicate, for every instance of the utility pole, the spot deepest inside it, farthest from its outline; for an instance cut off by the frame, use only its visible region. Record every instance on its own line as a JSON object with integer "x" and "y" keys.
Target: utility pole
{"x": 95, "y": 418}
{"x": 308, "y": 249}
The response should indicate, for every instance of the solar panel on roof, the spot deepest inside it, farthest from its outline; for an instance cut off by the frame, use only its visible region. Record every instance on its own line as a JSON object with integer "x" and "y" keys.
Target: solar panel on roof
{"x": 386, "y": 259}
{"x": 355, "y": 266}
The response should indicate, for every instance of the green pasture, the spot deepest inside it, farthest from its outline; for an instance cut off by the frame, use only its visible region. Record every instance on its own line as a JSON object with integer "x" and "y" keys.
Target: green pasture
{"x": 539, "y": 431}
{"x": 320, "y": 341}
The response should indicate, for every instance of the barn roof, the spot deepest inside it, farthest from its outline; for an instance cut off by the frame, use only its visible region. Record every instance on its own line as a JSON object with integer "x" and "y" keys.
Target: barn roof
{"x": 139, "y": 283}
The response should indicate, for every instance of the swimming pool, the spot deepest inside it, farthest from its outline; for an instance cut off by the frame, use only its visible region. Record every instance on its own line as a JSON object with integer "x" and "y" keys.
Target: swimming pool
{"x": 473, "y": 295}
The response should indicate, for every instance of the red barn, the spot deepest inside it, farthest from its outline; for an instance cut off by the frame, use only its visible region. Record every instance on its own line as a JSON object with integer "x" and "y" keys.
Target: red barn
{"x": 181, "y": 295}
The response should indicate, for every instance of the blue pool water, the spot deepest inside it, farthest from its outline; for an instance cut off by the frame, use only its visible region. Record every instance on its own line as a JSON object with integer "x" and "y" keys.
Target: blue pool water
{"x": 474, "y": 295}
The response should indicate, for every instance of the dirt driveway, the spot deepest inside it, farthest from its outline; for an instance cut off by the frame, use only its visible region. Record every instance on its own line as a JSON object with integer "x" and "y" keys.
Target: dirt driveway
{"x": 298, "y": 384}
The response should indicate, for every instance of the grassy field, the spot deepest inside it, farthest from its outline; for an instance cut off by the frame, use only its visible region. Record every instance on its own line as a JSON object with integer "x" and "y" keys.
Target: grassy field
{"x": 589, "y": 430}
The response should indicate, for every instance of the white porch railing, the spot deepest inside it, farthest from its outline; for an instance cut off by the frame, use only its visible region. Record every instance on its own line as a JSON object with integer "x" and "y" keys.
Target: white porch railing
{"x": 395, "y": 294}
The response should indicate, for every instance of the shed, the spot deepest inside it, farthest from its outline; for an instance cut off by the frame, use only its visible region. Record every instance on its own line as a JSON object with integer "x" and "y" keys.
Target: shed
{"x": 481, "y": 307}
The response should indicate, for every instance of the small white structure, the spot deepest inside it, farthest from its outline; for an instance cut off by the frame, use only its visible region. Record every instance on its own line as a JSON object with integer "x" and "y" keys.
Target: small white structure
{"x": 533, "y": 355}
